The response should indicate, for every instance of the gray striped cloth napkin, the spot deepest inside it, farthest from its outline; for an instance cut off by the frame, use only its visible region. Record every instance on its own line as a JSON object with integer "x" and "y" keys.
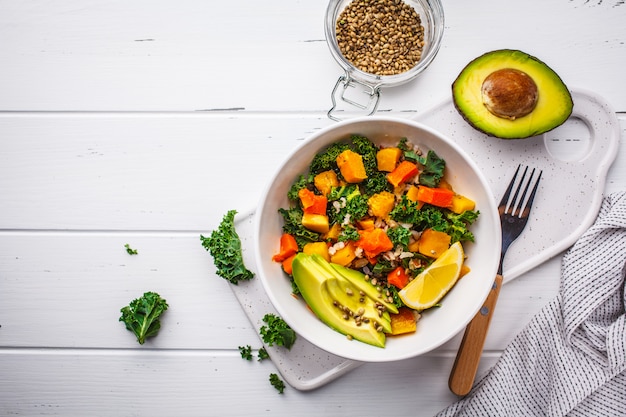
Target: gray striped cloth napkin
{"x": 570, "y": 360}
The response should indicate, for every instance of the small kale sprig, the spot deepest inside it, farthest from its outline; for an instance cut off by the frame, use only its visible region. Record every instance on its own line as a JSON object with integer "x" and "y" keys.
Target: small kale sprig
{"x": 142, "y": 315}
{"x": 224, "y": 246}
{"x": 277, "y": 383}
{"x": 277, "y": 332}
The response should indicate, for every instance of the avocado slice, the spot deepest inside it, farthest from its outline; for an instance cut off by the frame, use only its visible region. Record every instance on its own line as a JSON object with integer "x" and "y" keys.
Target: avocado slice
{"x": 510, "y": 94}
{"x": 324, "y": 290}
{"x": 358, "y": 279}
{"x": 339, "y": 288}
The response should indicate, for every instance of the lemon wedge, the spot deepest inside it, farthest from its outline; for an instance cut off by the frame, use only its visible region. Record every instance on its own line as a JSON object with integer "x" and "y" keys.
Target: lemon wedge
{"x": 426, "y": 289}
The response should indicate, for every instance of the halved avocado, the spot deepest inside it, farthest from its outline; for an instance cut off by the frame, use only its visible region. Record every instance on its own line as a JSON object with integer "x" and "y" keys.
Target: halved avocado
{"x": 511, "y": 95}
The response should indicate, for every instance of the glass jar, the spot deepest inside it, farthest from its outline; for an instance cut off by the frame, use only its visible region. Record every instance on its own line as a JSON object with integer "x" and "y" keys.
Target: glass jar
{"x": 432, "y": 19}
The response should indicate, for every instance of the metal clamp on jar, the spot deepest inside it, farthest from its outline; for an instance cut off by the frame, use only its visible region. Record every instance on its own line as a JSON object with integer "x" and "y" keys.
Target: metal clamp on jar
{"x": 376, "y": 50}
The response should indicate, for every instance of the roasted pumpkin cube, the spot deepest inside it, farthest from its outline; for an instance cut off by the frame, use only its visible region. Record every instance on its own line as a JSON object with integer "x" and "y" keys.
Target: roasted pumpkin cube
{"x": 351, "y": 166}
{"x": 461, "y": 203}
{"x": 381, "y": 204}
{"x": 344, "y": 255}
{"x": 325, "y": 181}
{"x": 316, "y": 222}
{"x": 320, "y": 248}
{"x": 404, "y": 322}
{"x": 387, "y": 159}
{"x": 333, "y": 233}
{"x": 433, "y": 243}
{"x": 366, "y": 224}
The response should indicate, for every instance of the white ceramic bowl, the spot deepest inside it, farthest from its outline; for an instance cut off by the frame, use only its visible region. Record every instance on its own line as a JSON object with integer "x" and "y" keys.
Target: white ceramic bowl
{"x": 436, "y": 325}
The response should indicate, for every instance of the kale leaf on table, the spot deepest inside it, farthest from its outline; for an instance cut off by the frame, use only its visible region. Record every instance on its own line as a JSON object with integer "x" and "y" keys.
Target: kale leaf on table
{"x": 277, "y": 332}
{"x": 142, "y": 315}
{"x": 277, "y": 383}
{"x": 224, "y": 245}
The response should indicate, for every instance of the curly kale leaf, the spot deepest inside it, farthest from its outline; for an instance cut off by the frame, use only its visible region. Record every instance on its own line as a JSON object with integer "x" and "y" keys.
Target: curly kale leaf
{"x": 293, "y": 225}
{"x": 352, "y": 205}
{"x": 364, "y": 147}
{"x": 459, "y": 225}
{"x": 408, "y": 152}
{"x": 224, "y": 246}
{"x": 327, "y": 159}
{"x": 432, "y": 171}
{"x": 277, "y": 383}
{"x": 246, "y": 352}
{"x": 376, "y": 183}
{"x": 142, "y": 315}
{"x": 277, "y": 332}
{"x": 300, "y": 183}
{"x": 399, "y": 236}
{"x": 443, "y": 220}
{"x": 348, "y": 233}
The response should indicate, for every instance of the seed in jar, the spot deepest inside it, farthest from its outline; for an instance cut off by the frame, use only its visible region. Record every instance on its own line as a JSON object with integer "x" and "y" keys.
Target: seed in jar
{"x": 381, "y": 37}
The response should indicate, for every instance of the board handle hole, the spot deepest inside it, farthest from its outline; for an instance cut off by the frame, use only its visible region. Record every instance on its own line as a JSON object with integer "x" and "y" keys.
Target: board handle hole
{"x": 569, "y": 142}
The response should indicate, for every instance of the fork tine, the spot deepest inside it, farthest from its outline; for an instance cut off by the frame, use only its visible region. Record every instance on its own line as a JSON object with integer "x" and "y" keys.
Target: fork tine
{"x": 529, "y": 203}
{"x": 505, "y": 198}
{"x": 515, "y": 202}
{"x": 520, "y": 210}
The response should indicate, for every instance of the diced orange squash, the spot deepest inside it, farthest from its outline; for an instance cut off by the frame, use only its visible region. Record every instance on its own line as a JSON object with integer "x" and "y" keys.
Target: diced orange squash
{"x": 403, "y": 173}
{"x": 461, "y": 203}
{"x": 286, "y": 264}
{"x": 366, "y": 224}
{"x": 374, "y": 242}
{"x": 387, "y": 159}
{"x": 381, "y": 204}
{"x": 433, "y": 243}
{"x": 398, "y": 278}
{"x": 320, "y": 248}
{"x": 288, "y": 247}
{"x": 351, "y": 166}
{"x": 439, "y": 197}
{"x": 316, "y": 222}
{"x": 344, "y": 255}
{"x": 311, "y": 202}
{"x": 325, "y": 181}
{"x": 333, "y": 233}
{"x": 403, "y": 322}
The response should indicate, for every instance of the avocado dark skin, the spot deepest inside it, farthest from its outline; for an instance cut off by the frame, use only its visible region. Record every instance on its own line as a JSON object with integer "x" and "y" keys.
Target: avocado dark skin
{"x": 510, "y": 94}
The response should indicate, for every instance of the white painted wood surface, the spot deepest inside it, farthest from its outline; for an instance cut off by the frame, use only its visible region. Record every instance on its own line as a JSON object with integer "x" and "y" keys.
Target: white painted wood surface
{"x": 121, "y": 122}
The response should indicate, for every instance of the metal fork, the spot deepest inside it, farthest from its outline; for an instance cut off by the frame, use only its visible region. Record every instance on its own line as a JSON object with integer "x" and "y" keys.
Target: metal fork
{"x": 514, "y": 212}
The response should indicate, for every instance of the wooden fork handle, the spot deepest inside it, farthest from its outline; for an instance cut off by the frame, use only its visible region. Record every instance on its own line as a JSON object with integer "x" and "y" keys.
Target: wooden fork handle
{"x": 471, "y": 348}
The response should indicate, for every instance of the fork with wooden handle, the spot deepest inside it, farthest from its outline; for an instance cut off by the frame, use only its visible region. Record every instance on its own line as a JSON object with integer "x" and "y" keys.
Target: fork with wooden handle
{"x": 513, "y": 218}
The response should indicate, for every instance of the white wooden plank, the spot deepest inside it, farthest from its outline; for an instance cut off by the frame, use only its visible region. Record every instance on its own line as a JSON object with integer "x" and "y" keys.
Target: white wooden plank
{"x": 155, "y": 172}
{"x": 66, "y": 289}
{"x": 145, "y": 172}
{"x": 271, "y": 55}
{"x": 207, "y": 383}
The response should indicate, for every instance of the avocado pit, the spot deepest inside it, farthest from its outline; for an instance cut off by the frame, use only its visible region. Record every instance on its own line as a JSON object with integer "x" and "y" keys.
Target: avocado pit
{"x": 509, "y": 93}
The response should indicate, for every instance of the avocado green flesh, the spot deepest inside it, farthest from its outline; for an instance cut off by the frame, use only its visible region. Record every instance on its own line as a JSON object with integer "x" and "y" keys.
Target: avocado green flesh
{"x": 338, "y": 289}
{"x": 554, "y": 104}
{"x": 320, "y": 287}
{"x": 358, "y": 279}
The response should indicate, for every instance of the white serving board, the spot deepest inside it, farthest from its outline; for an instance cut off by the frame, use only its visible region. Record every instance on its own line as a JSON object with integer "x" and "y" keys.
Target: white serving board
{"x": 574, "y": 159}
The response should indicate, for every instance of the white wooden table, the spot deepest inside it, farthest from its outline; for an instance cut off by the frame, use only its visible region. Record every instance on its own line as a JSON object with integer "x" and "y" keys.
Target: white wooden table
{"x": 143, "y": 122}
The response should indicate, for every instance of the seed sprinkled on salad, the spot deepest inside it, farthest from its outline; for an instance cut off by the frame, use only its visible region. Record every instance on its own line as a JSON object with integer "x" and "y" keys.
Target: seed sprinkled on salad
{"x": 374, "y": 221}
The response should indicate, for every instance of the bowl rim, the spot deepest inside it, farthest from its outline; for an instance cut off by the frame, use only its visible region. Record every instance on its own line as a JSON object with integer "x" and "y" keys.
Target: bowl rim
{"x": 377, "y": 357}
